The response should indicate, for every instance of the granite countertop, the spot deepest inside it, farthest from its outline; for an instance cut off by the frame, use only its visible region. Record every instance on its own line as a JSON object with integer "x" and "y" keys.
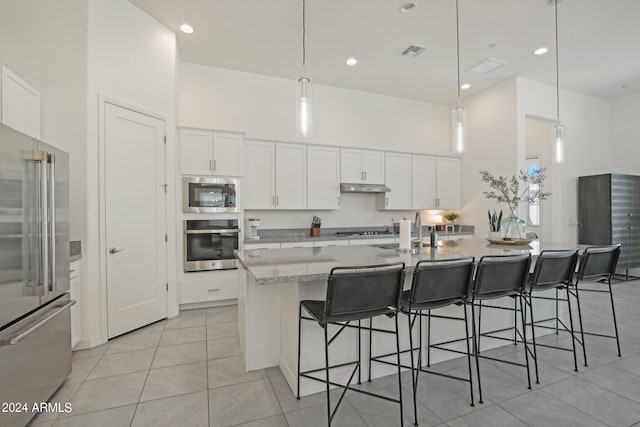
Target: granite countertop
{"x": 274, "y": 266}
{"x": 302, "y": 235}
{"x": 75, "y": 250}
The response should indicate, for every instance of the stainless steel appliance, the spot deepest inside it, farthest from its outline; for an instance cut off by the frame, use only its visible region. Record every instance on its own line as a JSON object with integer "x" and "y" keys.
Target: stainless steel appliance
{"x": 209, "y": 244}
{"x": 251, "y": 228}
{"x": 35, "y": 327}
{"x": 210, "y": 195}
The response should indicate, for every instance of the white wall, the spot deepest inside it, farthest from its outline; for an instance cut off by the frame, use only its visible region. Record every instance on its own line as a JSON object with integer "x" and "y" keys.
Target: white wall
{"x": 48, "y": 42}
{"x": 131, "y": 58}
{"x": 625, "y": 135}
{"x": 538, "y": 134}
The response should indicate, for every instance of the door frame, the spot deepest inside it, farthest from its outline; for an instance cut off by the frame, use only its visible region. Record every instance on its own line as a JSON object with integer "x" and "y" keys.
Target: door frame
{"x": 170, "y": 217}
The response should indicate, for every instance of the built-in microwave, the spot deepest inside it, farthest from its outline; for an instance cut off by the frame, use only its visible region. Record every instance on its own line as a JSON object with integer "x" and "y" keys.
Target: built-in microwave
{"x": 210, "y": 195}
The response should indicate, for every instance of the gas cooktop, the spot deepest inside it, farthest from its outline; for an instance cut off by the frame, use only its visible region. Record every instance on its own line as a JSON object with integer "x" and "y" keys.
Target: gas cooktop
{"x": 364, "y": 233}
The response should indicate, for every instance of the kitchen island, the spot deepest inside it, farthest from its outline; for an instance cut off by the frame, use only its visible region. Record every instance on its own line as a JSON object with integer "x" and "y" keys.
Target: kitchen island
{"x": 274, "y": 281}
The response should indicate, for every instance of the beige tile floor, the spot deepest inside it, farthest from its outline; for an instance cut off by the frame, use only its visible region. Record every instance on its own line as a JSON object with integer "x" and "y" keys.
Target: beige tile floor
{"x": 188, "y": 371}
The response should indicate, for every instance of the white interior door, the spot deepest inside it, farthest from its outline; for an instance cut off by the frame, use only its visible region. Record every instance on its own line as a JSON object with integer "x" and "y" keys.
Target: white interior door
{"x": 134, "y": 159}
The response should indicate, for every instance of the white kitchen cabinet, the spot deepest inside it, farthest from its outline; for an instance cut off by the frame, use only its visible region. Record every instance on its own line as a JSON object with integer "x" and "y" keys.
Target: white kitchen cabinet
{"x": 276, "y": 175}
{"x": 259, "y": 177}
{"x": 305, "y": 244}
{"x": 323, "y": 177}
{"x": 74, "y": 292}
{"x": 20, "y": 103}
{"x": 448, "y": 183}
{"x": 361, "y": 166}
{"x": 323, "y": 243}
{"x": 254, "y": 246}
{"x": 435, "y": 182}
{"x": 209, "y": 286}
{"x": 398, "y": 178}
{"x": 204, "y": 152}
{"x": 369, "y": 242}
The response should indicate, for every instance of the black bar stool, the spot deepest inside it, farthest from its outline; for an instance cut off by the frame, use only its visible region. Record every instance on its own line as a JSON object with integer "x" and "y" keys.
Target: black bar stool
{"x": 353, "y": 294}
{"x": 499, "y": 276}
{"x": 437, "y": 284}
{"x": 597, "y": 263}
{"x": 553, "y": 270}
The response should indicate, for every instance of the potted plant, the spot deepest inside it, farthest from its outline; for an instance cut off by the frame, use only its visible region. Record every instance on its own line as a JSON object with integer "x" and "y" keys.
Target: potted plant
{"x": 525, "y": 187}
{"x": 451, "y": 217}
{"x": 495, "y": 222}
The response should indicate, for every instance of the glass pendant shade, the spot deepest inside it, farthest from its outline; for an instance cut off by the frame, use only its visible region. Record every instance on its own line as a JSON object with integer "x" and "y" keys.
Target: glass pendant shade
{"x": 458, "y": 142}
{"x": 558, "y": 144}
{"x": 304, "y": 108}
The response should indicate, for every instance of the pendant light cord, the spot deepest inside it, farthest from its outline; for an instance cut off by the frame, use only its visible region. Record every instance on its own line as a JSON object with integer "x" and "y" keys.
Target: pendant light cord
{"x": 557, "y": 66}
{"x": 304, "y": 37}
{"x": 458, "y": 48}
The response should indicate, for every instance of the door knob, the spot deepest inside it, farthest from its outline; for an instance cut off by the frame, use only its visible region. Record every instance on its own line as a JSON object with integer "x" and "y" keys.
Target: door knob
{"x": 115, "y": 251}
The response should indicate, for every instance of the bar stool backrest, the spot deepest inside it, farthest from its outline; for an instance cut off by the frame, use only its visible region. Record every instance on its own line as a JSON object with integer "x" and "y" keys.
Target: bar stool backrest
{"x": 363, "y": 291}
{"x": 598, "y": 261}
{"x": 554, "y": 268}
{"x": 442, "y": 282}
{"x": 501, "y": 275}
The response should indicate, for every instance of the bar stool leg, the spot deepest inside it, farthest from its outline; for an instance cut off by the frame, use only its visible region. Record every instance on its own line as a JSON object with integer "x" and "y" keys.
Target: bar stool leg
{"x": 479, "y": 335}
{"x": 584, "y": 344}
{"x": 615, "y": 322}
{"x": 370, "y": 344}
{"x": 533, "y": 336}
{"x": 475, "y": 349}
{"x": 466, "y": 330}
{"x": 299, "y": 345}
{"x": 399, "y": 372}
{"x": 515, "y": 322}
{"x": 326, "y": 368}
{"x": 573, "y": 336}
{"x": 429, "y": 338}
{"x": 413, "y": 373}
{"x": 523, "y": 312}
{"x": 556, "y": 311}
{"x": 360, "y": 352}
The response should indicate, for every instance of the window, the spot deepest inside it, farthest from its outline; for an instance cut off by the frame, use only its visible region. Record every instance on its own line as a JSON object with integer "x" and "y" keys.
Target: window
{"x": 533, "y": 166}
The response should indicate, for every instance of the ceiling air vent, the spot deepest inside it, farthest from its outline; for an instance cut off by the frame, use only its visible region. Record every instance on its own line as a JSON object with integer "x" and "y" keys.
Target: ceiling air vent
{"x": 486, "y": 66}
{"x": 413, "y": 51}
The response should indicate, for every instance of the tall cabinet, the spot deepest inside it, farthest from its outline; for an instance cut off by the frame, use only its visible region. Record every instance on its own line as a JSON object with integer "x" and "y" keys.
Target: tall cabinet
{"x": 609, "y": 213}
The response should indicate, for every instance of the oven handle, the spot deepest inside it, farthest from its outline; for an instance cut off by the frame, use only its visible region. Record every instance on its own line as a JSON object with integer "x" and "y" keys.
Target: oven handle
{"x": 217, "y": 231}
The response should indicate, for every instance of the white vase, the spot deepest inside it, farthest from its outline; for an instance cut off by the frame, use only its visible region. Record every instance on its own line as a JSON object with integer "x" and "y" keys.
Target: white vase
{"x": 495, "y": 235}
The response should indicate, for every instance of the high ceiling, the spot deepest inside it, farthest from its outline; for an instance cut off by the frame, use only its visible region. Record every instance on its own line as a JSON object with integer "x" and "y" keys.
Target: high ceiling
{"x": 599, "y": 42}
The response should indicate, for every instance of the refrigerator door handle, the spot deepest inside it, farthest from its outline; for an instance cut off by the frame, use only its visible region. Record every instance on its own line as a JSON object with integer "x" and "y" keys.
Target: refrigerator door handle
{"x": 44, "y": 225}
{"x": 52, "y": 221}
{"x": 23, "y": 334}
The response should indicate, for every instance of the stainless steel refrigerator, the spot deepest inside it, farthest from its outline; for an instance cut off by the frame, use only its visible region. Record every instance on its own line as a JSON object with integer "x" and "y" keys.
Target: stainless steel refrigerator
{"x": 35, "y": 327}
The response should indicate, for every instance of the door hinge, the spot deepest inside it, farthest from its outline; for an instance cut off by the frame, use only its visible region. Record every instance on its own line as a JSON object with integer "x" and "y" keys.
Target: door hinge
{"x": 165, "y": 139}
{"x": 166, "y": 238}
{"x": 167, "y": 287}
{"x": 165, "y": 187}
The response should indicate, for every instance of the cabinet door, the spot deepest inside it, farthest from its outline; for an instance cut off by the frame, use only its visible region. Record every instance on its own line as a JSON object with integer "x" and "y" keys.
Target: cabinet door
{"x": 373, "y": 166}
{"x": 227, "y": 154}
{"x": 20, "y": 104}
{"x": 423, "y": 182}
{"x": 448, "y": 183}
{"x": 351, "y": 170}
{"x": 259, "y": 178}
{"x": 196, "y": 155}
{"x": 291, "y": 176}
{"x": 398, "y": 179}
{"x": 323, "y": 177}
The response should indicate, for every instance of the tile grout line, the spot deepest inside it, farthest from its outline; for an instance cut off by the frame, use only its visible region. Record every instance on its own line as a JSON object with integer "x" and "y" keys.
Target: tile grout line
{"x": 206, "y": 361}
{"x": 135, "y": 411}
{"x": 277, "y": 399}
{"x": 566, "y": 403}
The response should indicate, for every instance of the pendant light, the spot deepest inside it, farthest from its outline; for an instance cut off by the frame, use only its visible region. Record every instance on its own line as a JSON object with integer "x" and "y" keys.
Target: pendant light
{"x": 458, "y": 143}
{"x": 304, "y": 106}
{"x": 558, "y": 130}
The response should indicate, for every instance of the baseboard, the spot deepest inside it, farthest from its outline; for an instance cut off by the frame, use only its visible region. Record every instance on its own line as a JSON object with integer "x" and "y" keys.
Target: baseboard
{"x": 87, "y": 343}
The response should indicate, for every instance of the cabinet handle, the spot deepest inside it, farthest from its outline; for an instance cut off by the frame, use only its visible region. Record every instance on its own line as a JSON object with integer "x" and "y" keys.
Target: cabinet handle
{"x": 365, "y": 175}
{"x": 277, "y": 200}
{"x": 338, "y": 200}
{"x": 273, "y": 200}
{"x": 214, "y": 290}
{"x": 386, "y": 201}
{"x": 361, "y": 176}
{"x": 210, "y": 164}
{"x": 72, "y": 271}
{"x": 214, "y": 164}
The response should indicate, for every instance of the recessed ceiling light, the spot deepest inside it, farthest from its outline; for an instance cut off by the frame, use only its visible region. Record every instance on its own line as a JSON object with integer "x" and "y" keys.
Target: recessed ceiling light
{"x": 186, "y": 28}
{"x": 352, "y": 61}
{"x": 465, "y": 86}
{"x": 408, "y": 7}
{"x": 541, "y": 50}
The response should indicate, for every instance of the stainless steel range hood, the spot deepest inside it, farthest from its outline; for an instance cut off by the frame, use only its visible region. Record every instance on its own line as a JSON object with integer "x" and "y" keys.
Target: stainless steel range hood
{"x": 363, "y": 188}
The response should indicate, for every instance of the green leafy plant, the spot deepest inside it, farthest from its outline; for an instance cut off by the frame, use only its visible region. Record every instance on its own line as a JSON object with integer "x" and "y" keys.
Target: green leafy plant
{"x": 516, "y": 189}
{"x": 495, "y": 220}
{"x": 451, "y": 216}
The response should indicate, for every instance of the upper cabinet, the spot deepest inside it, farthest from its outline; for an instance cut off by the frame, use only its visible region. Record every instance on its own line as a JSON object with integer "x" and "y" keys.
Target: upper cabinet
{"x": 276, "y": 176}
{"x": 20, "y": 103}
{"x": 204, "y": 152}
{"x": 398, "y": 178}
{"x": 436, "y": 182}
{"x": 361, "y": 166}
{"x": 323, "y": 177}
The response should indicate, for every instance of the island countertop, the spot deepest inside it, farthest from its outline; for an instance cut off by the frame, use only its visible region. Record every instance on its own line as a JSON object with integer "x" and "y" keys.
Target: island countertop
{"x": 274, "y": 266}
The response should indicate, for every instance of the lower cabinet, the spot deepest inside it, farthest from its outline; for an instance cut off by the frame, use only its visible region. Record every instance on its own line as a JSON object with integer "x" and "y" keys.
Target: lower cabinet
{"x": 323, "y": 243}
{"x": 74, "y": 292}
{"x": 365, "y": 242}
{"x": 209, "y": 286}
{"x": 304, "y": 244}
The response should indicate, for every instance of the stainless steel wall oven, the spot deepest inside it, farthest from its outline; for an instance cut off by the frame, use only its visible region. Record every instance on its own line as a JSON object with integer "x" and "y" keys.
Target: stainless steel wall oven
{"x": 210, "y": 195}
{"x": 209, "y": 244}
